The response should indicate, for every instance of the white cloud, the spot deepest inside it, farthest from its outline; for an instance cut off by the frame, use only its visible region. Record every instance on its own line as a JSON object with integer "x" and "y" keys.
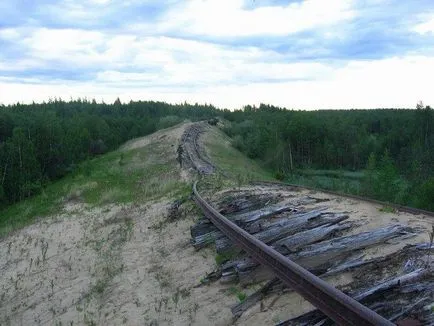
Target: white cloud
{"x": 395, "y": 82}
{"x": 426, "y": 27}
{"x": 9, "y": 34}
{"x": 140, "y": 62}
{"x": 229, "y": 18}
{"x": 53, "y": 43}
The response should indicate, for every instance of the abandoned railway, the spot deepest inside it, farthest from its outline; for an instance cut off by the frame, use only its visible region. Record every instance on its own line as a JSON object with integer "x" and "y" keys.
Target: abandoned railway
{"x": 282, "y": 235}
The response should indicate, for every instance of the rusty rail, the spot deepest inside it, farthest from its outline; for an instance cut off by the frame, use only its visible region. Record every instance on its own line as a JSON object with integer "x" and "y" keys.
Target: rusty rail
{"x": 332, "y": 302}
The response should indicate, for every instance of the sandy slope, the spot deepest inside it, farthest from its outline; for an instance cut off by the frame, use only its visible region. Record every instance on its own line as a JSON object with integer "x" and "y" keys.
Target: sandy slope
{"x": 111, "y": 265}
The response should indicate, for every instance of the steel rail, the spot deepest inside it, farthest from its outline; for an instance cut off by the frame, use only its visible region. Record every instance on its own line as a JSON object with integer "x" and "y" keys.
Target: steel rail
{"x": 398, "y": 207}
{"x": 335, "y": 304}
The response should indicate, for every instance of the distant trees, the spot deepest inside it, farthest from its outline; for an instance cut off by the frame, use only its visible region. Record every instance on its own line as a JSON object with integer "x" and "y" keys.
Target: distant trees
{"x": 396, "y": 146}
{"x": 21, "y": 173}
{"x": 425, "y": 195}
{"x": 43, "y": 142}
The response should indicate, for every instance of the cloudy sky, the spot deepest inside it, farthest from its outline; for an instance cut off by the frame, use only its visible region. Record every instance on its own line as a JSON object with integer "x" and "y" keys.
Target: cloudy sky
{"x": 308, "y": 54}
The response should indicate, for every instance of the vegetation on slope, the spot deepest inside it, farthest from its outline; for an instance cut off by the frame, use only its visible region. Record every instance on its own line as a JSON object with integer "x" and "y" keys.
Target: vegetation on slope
{"x": 40, "y": 143}
{"x": 122, "y": 176}
{"x": 230, "y": 161}
{"x": 390, "y": 153}
{"x": 395, "y": 147}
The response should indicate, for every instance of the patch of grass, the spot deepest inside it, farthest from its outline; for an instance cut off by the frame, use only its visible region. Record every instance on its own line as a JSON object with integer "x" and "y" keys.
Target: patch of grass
{"x": 322, "y": 181}
{"x": 387, "y": 209}
{"x": 25, "y": 212}
{"x": 100, "y": 286}
{"x": 357, "y": 175}
{"x": 139, "y": 175}
{"x": 241, "y": 296}
{"x": 232, "y": 162}
{"x": 224, "y": 257}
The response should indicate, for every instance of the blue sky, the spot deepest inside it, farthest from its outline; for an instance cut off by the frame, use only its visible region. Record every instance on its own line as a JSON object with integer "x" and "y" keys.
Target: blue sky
{"x": 299, "y": 54}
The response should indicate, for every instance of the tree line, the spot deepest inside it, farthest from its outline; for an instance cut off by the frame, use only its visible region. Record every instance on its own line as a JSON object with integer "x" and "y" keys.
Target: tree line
{"x": 394, "y": 147}
{"x": 43, "y": 142}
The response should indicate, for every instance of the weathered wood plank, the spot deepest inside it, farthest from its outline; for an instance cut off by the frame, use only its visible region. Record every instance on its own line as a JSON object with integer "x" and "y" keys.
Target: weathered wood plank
{"x": 392, "y": 290}
{"x": 239, "y": 308}
{"x": 250, "y": 217}
{"x": 295, "y": 242}
{"x": 320, "y": 253}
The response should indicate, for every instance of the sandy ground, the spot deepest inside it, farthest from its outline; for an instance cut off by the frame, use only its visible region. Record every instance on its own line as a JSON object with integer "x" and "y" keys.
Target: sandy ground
{"x": 111, "y": 265}
{"x": 171, "y": 135}
{"x": 127, "y": 264}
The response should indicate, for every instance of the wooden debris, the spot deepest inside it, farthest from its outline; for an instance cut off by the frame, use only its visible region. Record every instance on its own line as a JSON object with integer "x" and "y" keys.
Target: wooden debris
{"x": 206, "y": 239}
{"x": 314, "y": 240}
{"x": 250, "y": 217}
{"x": 397, "y": 281}
{"x": 293, "y": 225}
{"x": 239, "y": 308}
{"x": 295, "y": 242}
{"x": 324, "y": 252}
{"x": 394, "y": 298}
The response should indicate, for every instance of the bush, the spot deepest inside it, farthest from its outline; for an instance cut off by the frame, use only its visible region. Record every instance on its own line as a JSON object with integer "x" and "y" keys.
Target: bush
{"x": 279, "y": 175}
{"x": 169, "y": 121}
{"x": 425, "y": 195}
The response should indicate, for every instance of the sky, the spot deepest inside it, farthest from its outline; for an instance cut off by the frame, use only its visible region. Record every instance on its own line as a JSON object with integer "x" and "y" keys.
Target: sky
{"x": 312, "y": 54}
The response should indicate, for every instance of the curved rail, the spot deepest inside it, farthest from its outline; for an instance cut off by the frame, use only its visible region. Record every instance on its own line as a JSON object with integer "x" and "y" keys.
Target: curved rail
{"x": 398, "y": 207}
{"x": 334, "y": 303}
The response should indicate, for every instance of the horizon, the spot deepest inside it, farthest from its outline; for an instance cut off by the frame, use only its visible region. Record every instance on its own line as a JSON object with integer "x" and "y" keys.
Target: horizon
{"x": 254, "y": 106}
{"x": 299, "y": 55}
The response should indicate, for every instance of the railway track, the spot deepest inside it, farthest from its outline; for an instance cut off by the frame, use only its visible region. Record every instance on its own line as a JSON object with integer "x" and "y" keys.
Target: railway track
{"x": 338, "y": 306}
{"x": 192, "y": 155}
{"x": 335, "y": 304}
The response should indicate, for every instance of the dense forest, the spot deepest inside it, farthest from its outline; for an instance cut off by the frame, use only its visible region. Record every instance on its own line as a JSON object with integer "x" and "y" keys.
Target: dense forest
{"x": 42, "y": 142}
{"x": 392, "y": 150}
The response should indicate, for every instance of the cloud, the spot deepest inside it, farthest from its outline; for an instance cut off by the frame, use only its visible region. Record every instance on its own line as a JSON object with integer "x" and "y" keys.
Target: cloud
{"x": 394, "y": 82}
{"x": 302, "y": 54}
{"x": 425, "y": 27}
{"x": 229, "y": 18}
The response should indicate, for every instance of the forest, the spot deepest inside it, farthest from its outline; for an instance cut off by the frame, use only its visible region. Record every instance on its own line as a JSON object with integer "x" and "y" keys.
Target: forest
{"x": 389, "y": 151}
{"x": 40, "y": 143}
{"x": 386, "y": 154}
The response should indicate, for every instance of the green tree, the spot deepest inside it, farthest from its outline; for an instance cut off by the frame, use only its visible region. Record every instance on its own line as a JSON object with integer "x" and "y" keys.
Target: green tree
{"x": 425, "y": 195}
{"x": 22, "y": 175}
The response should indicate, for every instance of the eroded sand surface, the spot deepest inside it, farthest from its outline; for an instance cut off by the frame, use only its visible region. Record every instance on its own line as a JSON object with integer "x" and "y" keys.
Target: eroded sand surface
{"x": 109, "y": 266}
{"x": 171, "y": 135}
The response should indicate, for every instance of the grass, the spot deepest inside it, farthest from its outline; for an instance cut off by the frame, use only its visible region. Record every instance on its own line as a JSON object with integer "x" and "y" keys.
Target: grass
{"x": 138, "y": 175}
{"x": 224, "y": 257}
{"x": 238, "y": 293}
{"x": 339, "y": 174}
{"x": 235, "y": 165}
{"x": 126, "y": 176}
{"x": 387, "y": 209}
{"x": 351, "y": 185}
